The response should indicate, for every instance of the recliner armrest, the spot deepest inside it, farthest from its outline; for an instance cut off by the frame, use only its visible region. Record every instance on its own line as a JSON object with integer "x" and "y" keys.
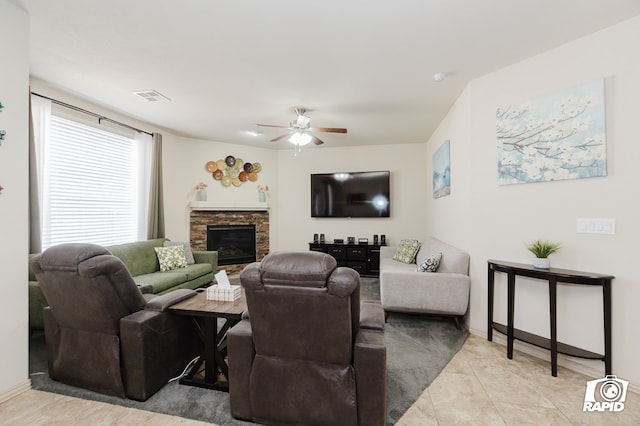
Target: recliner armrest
{"x": 370, "y": 364}
{"x": 371, "y": 315}
{"x": 242, "y": 351}
{"x": 161, "y": 303}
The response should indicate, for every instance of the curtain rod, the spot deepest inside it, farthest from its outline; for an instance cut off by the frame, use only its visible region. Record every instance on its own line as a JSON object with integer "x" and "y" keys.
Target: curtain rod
{"x": 98, "y": 116}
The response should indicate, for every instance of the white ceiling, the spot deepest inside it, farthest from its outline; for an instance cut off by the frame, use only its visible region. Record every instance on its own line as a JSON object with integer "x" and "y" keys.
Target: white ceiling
{"x": 364, "y": 65}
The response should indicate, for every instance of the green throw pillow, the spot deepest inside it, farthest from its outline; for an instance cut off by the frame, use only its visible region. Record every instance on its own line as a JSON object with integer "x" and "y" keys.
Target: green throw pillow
{"x": 171, "y": 257}
{"x": 407, "y": 250}
{"x": 431, "y": 263}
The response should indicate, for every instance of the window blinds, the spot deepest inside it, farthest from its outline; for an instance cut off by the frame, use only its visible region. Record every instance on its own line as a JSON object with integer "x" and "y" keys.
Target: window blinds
{"x": 92, "y": 185}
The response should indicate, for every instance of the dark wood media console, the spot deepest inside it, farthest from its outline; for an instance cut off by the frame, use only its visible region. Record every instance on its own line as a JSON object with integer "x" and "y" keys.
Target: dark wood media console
{"x": 364, "y": 258}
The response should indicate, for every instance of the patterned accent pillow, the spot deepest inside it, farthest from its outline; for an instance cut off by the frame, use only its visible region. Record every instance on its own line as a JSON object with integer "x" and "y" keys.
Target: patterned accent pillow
{"x": 431, "y": 263}
{"x": 407, "y": 250}
{"x": 171, "y": 257}
{"x": 187, "y": 250}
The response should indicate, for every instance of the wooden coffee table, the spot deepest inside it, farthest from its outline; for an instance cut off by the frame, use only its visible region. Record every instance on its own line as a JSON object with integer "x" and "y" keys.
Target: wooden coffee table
{"x": 205, "y": 314}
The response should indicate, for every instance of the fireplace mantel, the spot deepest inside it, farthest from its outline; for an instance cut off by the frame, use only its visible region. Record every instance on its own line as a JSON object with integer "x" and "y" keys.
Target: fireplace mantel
{"x": 222, "y": 206}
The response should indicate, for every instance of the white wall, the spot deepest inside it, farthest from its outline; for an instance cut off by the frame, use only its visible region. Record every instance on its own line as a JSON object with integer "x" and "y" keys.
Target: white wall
{"x": 184, "y": 161}
{"x": 294, "y": 226}
{"x": 501, "y": 219}
{"x": 450, "y": 217}
{"x": 14, "y": 216}
{"x": 288, "y": 177}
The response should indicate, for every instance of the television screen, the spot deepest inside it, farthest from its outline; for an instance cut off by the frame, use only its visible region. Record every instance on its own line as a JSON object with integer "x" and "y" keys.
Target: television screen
{"x": 354, "y": 194}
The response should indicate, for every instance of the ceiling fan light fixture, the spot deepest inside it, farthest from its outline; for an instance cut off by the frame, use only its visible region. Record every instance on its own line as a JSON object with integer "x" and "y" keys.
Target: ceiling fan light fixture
{"x": 300, "y": 132}
{"x": 300, "y": 138}
{"x": 303, "y": 121}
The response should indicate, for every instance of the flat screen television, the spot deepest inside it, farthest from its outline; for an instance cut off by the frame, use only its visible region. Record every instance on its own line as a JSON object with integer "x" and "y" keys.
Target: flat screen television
{"x": 352, "y": 194}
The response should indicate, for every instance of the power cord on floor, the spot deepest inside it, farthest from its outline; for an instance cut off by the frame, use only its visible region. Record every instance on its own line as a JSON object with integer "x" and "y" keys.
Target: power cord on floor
{"x": 193, "y": 361}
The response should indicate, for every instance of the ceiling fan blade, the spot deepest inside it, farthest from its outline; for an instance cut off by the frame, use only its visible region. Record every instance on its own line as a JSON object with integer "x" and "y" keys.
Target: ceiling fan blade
{"x": 316, "y": 140}
{"x": 272, "y": 125}
{"x": 328, "y": 129}
{"x": 280, "y": 137}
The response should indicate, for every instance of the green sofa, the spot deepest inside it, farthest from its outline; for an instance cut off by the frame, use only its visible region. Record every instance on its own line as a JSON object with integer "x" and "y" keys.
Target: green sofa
{"x": 142, "y": 262}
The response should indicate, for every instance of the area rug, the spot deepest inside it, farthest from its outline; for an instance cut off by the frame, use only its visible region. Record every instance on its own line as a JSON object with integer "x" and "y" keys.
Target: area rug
{"x": 418, "y": 348}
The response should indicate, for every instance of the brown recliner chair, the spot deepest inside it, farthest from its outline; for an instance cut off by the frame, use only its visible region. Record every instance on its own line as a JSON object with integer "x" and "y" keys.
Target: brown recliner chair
{"x": 101, "y": 332}
{"x": 307, "y": 352}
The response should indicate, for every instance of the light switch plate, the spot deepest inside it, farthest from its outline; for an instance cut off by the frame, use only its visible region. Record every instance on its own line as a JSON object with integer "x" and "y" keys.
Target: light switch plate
{"x": 595, "y": 225}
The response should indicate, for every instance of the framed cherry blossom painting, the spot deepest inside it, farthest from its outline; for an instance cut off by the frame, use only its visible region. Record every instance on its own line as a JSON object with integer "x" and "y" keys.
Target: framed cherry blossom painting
{"x": 555, "y": 137}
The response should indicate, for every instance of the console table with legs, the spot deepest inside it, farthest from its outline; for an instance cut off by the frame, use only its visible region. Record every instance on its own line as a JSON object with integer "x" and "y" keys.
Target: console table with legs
{"x": 553, "y": 276}
{"x": 205, "y": 314}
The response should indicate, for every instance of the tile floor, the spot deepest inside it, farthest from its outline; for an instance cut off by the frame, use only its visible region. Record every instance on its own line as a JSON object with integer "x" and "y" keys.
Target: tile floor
{"x": 480, "y": 386}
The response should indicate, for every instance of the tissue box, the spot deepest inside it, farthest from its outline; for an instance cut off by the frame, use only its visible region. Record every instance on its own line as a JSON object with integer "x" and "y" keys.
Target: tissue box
{"x": 224, "y": 294}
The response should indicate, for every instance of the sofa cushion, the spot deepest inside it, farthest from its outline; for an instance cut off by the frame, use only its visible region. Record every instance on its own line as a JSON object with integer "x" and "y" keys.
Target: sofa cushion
{"x": 188, "y": 253}
{"x": 139, "y": 257}
{"x": 171, "y": 257}
{"x": 391, "y": 265}
{"x": 453, "y": 259}
{"x": 196, "y": 270}
{"x": 430, "y": 263}
{"x": 407, "y": 250}
{"x": 439, "y": 293}
{"x": 162, "y": 281}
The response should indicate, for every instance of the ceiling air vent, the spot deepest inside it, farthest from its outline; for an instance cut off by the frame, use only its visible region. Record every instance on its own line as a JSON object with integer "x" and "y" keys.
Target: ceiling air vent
{"x": 152, "y": 96}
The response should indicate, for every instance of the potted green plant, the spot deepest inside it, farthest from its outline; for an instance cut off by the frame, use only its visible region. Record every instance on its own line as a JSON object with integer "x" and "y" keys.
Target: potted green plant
{"x": 541, "y": 250}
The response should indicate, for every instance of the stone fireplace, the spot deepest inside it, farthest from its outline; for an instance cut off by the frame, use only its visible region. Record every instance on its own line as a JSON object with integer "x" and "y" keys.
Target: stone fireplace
{"x": 201, "y": 219}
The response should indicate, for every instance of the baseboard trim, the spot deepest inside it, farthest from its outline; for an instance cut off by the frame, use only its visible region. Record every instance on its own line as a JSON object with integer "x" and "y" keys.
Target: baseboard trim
{"x": 563, "y": 360}
{"x": 15, "y": 391}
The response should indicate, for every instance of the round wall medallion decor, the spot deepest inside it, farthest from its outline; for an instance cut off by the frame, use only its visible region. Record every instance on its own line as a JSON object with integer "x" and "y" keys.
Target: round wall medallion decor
{"x": 233, "y": 171}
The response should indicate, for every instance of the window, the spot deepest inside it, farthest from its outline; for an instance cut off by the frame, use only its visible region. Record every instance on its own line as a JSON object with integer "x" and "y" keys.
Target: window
{"x": 92, "y": 190}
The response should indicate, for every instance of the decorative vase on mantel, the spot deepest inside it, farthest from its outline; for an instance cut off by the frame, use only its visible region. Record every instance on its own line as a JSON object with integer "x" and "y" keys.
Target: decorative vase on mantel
{"x": 202, "y": 194}
{"x": 541, "y": 263}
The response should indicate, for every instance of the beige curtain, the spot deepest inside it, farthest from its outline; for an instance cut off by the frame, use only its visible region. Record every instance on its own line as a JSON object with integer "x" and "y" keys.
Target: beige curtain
{"x": 39, "y": 113}
{"x": 155, "y": 228}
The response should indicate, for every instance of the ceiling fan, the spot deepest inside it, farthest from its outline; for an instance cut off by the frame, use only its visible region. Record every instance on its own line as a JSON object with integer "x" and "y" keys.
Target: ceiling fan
{"x": 300, "y": 132}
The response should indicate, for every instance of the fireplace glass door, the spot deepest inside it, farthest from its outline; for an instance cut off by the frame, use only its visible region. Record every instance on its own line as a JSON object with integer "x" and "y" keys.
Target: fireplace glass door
{"x": 235, "y": 244}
